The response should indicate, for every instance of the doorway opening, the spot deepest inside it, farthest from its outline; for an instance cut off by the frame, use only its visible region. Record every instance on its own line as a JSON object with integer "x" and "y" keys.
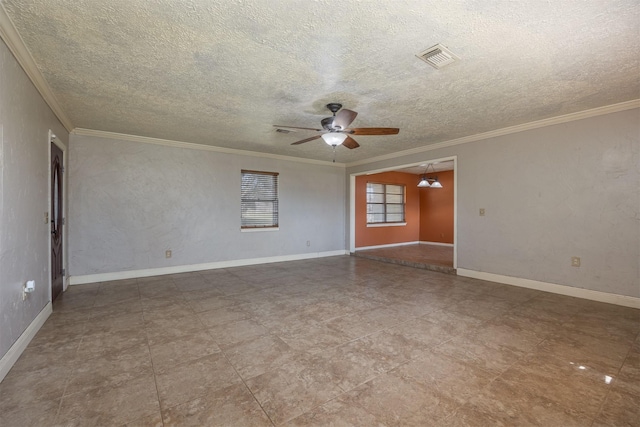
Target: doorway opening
{"x": 427, "y": 236}
{"x": 57, "y": 198}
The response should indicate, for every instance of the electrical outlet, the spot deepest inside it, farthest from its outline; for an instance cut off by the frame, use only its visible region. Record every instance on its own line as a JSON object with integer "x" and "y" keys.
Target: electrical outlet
{"x": 575, "y": 261}
{"x": 28, "y": 288}
{"x": 46, "y": 217}
{"x": 481, "y": 211}
{"x": 308, "y": 242}
{"x": 167, "y": 254}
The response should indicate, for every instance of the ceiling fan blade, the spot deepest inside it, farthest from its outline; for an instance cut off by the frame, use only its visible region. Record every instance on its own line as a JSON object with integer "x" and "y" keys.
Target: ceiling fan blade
{"x": 373, "y": 131}
{"x": 344, "y": 118}
{"x": 350, "y": 143}
{"x": 302, "y": 141}
{"x": 296, "y": 127}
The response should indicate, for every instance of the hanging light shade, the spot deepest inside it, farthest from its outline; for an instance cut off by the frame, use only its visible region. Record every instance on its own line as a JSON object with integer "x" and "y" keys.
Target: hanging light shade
{"x": 424, "y": 182}
{"x": 334, "y": 138}
{"x": 436, "y": 183}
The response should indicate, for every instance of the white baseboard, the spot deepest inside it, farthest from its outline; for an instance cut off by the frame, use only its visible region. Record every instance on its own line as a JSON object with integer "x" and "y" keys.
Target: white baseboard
{"x": 11, "y": 356}
{"x": 391, "y": 245}
{"x": 134, "y": 274}
{"x": 571, "y": 291}
{"x": 449, "y": 245}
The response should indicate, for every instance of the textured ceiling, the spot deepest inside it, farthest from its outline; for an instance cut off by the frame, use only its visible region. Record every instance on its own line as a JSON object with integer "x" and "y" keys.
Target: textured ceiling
{"x": 223, "y": 72}
{"x": 421, "y": 168}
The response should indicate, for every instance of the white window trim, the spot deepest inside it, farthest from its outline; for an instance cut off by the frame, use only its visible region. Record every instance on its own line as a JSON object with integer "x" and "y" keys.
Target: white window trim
{"x": 387, "y": 224}
{"x": 404, "y": 206}
{"x": 256, "y": 229}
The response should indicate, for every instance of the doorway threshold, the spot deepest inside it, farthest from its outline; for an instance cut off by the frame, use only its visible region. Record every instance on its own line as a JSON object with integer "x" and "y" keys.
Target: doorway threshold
{"x": 414, "y": 264}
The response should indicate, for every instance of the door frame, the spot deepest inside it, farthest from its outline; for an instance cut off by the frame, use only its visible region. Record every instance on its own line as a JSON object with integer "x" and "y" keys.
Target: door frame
{"x": 62, "y": 146}
{"x": 352, "y": 200}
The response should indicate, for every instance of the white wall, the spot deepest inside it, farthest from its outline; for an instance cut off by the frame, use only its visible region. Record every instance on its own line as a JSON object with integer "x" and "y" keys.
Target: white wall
{"x": 25, "y": 120}
{"x": 131, "y": 201}
{"x": 551, "y": 193}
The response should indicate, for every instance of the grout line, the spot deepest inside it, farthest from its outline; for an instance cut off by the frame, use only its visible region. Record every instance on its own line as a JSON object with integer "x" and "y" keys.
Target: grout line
{"x": 606, "y": 396}
{"x": 68, "y": 380}
{"x": 153, "y": 370}
{"x": 247, "y": 387}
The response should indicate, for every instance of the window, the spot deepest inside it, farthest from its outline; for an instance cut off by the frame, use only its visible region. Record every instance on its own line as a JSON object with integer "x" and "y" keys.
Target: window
{"x": 385, "y": 203}
{"x": 259, "y": 199}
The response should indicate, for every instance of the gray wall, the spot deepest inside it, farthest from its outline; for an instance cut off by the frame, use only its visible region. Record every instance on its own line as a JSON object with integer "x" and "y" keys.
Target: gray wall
{"x": 551, "y": 193}
{"x": 25, "y": 120}
{"x": 131, "y": 201}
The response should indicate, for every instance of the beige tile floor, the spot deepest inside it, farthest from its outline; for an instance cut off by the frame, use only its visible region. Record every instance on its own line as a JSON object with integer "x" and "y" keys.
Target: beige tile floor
{"x": 336, "y": 341}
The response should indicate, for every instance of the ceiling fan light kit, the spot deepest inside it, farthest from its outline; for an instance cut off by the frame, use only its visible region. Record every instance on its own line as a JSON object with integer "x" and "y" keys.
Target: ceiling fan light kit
{"x": 334, "y": 138}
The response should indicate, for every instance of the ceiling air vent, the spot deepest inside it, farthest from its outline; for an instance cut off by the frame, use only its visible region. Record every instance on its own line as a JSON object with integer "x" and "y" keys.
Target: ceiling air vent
{"x": 438, "y": 56}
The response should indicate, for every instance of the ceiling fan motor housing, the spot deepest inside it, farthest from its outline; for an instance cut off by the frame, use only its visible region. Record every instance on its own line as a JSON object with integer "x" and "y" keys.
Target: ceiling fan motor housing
{"x": 334, "y": 107}
{"x": 327, "y": 123}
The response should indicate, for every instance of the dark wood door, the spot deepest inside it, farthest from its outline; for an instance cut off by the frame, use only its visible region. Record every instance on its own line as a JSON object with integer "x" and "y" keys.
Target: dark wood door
{"x": 57, "y": 221}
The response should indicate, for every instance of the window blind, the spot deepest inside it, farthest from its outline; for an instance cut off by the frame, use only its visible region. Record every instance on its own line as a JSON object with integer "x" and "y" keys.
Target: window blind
{"x": 259, "y": 199}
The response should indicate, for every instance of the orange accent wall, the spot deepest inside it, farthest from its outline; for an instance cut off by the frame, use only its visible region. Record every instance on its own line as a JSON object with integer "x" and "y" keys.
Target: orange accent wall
{"x": 436, "y": 210}
{"x": 373, "y": 236}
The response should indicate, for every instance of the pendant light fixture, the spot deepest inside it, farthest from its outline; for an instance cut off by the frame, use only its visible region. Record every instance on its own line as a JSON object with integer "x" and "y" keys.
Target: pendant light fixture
{"x": 429, "y": 182}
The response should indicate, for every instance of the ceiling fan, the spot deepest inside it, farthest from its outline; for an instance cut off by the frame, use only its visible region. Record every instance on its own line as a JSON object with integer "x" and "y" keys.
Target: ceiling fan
{"x": 335, "y": 129}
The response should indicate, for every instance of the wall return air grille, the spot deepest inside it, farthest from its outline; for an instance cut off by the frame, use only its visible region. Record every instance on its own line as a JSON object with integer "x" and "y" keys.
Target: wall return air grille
{"x": 438, "y": 56}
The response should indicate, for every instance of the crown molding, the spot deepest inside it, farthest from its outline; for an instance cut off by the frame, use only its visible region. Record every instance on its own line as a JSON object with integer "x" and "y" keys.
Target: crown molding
{"x": 608, "y": 109}
{"x": 203, "y": 147}
{"x": 16, "y": 45}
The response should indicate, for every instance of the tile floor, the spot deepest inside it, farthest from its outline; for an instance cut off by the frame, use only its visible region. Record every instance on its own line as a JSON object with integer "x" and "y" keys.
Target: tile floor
{"x": 336, "y": 341}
